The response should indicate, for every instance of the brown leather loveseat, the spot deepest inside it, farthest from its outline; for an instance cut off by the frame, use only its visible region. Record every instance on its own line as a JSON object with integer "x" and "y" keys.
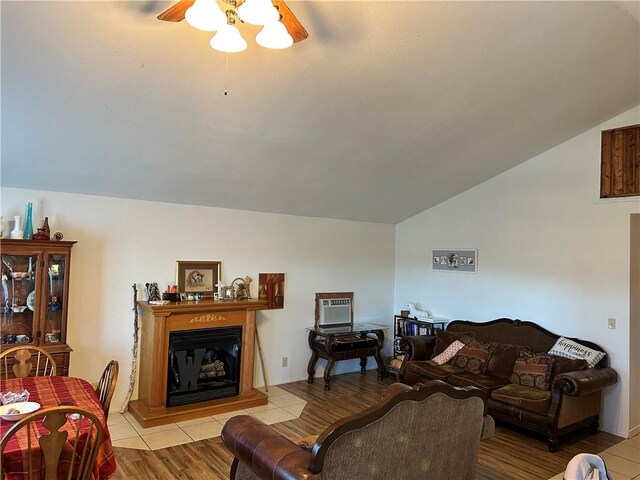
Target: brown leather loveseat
{"x": 566, "y": 399}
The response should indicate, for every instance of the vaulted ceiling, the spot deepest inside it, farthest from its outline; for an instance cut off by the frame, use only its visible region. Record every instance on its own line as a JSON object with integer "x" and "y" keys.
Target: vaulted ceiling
{"x": 386, "y": 109}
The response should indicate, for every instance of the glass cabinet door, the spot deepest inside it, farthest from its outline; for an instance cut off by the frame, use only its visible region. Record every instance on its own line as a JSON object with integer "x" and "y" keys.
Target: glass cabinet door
{"x": 55, "y": 285}
{"x": 19, "y": 273}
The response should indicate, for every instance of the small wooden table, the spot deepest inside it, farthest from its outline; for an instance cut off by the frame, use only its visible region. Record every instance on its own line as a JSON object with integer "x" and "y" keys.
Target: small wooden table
{"x": 345, "y": 342}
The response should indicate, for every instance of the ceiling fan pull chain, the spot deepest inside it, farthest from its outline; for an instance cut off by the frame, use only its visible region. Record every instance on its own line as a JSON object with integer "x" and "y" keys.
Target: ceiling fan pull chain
{"x": 226, "y": 74}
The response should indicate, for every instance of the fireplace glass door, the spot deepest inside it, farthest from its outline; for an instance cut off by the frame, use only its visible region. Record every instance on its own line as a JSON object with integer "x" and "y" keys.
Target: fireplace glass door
{"x": 203, "y": 365}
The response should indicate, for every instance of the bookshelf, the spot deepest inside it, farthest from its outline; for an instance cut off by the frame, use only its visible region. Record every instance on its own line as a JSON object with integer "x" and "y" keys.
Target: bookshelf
{"x": 409, "y": 327}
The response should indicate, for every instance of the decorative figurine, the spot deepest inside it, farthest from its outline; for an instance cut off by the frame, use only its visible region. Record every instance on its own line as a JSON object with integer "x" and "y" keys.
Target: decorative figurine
{"x": 153, "y": 292}
{"x": 240, "y": 288}
{"x": 43, "y": 233}
{"x": 247, "y": 286}
{"x": 55, "y": 304}
{"x": 416, "y": 312}
{"x": 58, "y": 236}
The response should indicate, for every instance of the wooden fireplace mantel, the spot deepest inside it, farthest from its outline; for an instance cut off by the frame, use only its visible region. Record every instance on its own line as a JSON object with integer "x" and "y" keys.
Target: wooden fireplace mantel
{"x": 157, "y": 322}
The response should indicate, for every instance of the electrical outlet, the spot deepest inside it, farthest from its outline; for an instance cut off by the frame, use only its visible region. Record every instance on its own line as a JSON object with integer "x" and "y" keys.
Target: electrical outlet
{"x": 611, "y": 323}
{"x": 285, "y": 362}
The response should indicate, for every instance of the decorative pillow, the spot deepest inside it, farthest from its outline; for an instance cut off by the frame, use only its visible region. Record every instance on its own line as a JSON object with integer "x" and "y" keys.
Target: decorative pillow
{"x": 449, "y": 352}
{"x": 572, "y": 349}
{"x": 445, "y": 338}
{"x": 503, "y": 357}
{"x": 533, "y": 370}
{"x": 564, "y": 365}
{"x": 473, "y": 357}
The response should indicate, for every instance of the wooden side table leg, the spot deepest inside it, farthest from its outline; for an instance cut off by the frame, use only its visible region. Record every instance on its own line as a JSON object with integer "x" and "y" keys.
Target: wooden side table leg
{"x": 378, "y": 355}
{"x": 311, "y": 368}
{"x": 327, "y": 374}
{"x": 363, "y": 365}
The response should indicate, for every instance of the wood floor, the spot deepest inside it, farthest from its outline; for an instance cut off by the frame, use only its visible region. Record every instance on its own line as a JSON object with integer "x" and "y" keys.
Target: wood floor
{"x": 509, "y": 454}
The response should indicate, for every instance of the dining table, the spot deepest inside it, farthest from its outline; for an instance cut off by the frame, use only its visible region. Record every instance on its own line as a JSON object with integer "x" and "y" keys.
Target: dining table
{"x": 53, "y": 391}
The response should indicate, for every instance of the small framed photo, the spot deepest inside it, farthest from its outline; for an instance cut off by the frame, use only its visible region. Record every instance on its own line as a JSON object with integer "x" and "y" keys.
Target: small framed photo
{"x": 436, "y": 260}
{"x": 197, "y": 277}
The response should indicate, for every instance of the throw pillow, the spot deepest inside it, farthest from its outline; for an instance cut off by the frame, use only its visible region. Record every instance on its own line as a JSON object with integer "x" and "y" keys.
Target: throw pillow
{"x": 449, "y": 352}
{"x": 445, "y": 338}
{"x": 565, "y": 347}
{"x": 564, "y": 365}
{"x": 473, "y": 357}
{"x": 533, "y": 370}
{"x": 503, "y": 357}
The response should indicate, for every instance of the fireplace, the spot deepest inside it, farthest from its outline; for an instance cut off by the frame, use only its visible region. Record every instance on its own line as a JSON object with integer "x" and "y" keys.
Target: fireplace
{"x": 203, "y": 365}
{"x": 167, "y": 348}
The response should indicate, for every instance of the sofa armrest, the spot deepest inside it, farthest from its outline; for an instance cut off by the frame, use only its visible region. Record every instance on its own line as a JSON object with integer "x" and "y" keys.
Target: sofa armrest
{"x": 419, "y": 347}
{"x": 270, "y": 455}
{"x": 584, "y": 382}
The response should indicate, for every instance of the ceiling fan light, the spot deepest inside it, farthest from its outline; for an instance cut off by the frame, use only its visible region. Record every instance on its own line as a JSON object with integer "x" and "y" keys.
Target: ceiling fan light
{"x": 228, "y": 39}
{"x": 274, "y": 35}
{"x": 258, "y": 12}
{"x": 205, "y": 15}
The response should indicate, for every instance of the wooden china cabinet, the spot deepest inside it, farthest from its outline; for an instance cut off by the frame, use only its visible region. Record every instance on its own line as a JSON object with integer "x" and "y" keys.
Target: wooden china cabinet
{"x": 34, "y": 296}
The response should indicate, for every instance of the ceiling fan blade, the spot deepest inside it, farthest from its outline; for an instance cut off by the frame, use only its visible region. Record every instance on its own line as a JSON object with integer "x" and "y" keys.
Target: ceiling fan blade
{"x": 294, "y": 27}
{"x": 176, "y": 12}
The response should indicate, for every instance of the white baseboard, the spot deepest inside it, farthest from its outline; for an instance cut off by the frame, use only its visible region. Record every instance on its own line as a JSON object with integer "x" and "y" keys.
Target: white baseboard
{"x": 634, "y": 431}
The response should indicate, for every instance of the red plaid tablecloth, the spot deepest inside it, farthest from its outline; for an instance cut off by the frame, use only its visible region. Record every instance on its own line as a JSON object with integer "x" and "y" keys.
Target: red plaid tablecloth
{"x": 51, "y": 392}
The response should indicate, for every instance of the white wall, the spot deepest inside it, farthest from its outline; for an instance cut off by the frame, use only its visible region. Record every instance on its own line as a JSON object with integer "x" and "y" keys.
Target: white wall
{"x": 122, "y": 242}
{"x": 548, "y": 251}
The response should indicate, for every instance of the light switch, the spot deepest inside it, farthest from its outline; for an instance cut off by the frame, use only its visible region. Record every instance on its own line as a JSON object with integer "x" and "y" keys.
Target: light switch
{"x": 611, "y": 323}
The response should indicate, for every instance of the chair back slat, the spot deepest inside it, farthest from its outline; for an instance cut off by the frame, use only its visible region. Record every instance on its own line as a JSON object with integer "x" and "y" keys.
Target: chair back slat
{"x": 23, "y": 358}
{"x": 107, "y": 385}
{"x": 55, "y": 456}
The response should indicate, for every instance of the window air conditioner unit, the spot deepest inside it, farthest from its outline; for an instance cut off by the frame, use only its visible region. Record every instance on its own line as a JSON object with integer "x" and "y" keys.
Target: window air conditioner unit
{"x": 335, "y": 311}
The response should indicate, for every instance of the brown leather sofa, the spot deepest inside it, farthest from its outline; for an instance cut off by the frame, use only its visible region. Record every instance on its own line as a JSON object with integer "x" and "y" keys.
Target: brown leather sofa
{"x": 429, "y": 431}
{"x": 571, "y": 401}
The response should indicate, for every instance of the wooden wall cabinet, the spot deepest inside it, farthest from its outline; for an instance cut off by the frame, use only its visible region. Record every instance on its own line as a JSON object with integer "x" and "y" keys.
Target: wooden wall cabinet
{"x": 620, "y": 162}
{"x": 35, "y": 296}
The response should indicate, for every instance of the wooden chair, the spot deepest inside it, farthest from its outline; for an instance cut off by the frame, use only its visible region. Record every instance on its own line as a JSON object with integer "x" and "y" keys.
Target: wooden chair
{"x": 22, "y": 359}
{"x": 107, "y": 385}
{"x": 58, "y": 443}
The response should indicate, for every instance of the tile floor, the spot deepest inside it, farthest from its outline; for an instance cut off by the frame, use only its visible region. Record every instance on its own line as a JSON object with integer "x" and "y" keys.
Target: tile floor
{"x": 623, "y": 460}
{"x": 127, "y": 433}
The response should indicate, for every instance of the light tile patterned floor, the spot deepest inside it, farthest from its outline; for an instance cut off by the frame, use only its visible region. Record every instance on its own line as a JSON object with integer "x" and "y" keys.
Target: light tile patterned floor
{"x": 126, "y": 432}
{"x": 622, "y": 460}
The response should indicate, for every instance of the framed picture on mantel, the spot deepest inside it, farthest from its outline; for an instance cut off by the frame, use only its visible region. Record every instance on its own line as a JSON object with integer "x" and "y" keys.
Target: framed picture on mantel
{"x": 197, "y": 276}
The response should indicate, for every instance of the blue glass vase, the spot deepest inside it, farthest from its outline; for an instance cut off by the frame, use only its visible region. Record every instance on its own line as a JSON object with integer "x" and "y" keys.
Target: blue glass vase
{"x": 28, "y": 223}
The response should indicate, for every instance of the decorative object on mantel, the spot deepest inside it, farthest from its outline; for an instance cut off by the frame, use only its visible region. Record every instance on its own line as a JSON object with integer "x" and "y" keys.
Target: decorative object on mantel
{"x": 28, "y": 223}
{"x": 271, "y": 289}
{"x": 455, "y": 260}
{"x": 16, "y": 233}
{"x": 225, "y": 292}
{"x": 43, "y": 233}
{"x": 247, "y": 284}
{"x": 171, "y": 294}
{"x": 58, "y": 236}
{"x": 240, "y": 289}
{"x": 153, "y": 292}
{"x": 197, "y": 277}
{"x": 134, "y": 352}
{"x": 281, "y": 28}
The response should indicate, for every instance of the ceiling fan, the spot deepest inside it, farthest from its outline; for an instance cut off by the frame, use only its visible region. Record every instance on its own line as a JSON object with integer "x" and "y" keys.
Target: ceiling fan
{"x": 176, "y": 13}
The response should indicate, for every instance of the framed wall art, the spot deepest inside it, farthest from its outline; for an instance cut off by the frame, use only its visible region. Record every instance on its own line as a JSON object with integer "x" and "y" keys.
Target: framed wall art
{"x": 452, "y": 260}
{"x": 271, "y": 289}
{"x": 197, "y": 276}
